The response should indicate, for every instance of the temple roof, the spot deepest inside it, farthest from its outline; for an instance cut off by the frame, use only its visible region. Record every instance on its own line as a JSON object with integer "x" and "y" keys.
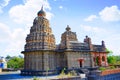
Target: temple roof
{"x": 98, "y": 48}
{"x": 69, "y": 42}
{"x": 77, "y": 46}
{"x": 69, "y": 35}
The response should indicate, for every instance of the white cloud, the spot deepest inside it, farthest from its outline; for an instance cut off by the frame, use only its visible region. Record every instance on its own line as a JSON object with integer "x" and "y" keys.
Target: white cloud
{"x": 15, "y": 39}
{"x": 25, "y": 13}
{"x": 61, "y": 7}
{"x": 110, "y": 14}
{"x": 5, "y": 31}
{"x": 90, "y": 18}
{"x": 113, "y": 44}
{"x": 92, "y": 29}
{"x": 49, "y": 15}
{"x": 110, "y": 37}
{"x": 3, "y": 3}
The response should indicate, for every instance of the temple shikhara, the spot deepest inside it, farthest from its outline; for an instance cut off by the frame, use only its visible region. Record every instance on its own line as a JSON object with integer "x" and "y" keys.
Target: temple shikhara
{"x": 41, "y": 53}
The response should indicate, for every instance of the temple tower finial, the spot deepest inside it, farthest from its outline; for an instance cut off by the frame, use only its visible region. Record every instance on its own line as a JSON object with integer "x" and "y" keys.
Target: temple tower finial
{"x": 42, "y": 8}
{"x": 68, "y": 28}
{"x": 41, "y": 12}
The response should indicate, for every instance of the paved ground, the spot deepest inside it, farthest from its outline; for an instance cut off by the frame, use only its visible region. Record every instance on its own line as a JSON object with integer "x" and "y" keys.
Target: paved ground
{"x": 17, "y": 76}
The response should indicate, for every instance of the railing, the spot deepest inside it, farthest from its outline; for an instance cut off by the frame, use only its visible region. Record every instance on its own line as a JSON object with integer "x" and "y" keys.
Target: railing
{"x": 107, "y": 72}
{"x": 37, "y": 73}
{"x": 70, "y": 78}
{"x": 113, "y": 74}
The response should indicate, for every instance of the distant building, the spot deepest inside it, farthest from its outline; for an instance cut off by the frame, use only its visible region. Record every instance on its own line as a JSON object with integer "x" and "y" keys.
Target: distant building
{"x": 3, "y": 63}
{"x": 41, "y": 53}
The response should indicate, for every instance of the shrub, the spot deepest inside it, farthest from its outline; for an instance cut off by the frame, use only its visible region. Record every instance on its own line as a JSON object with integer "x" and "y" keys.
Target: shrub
{"x": 73, "y": 73}
{"x": 112, "y": 67}
{"x": 102, "y": 68}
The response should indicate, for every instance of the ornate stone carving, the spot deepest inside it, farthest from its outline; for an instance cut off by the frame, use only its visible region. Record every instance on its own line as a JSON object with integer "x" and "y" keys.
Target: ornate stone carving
{"x": 40, "y": 36}
{"x": 67, "y": 36}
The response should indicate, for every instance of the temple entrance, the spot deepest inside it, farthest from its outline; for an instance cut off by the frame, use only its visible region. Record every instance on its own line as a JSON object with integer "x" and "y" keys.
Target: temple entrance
{"x": 80, "y": 62}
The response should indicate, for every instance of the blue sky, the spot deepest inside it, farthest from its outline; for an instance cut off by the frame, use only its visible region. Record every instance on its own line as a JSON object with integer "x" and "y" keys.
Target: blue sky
{"x": 99, "y": 19}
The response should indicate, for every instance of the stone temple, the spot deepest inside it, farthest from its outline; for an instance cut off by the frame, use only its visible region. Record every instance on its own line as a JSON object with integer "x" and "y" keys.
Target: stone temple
{"x": 41, "y": 53}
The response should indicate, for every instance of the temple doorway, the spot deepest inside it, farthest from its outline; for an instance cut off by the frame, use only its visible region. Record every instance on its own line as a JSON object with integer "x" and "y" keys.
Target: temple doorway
{"x": 81, "y": 62}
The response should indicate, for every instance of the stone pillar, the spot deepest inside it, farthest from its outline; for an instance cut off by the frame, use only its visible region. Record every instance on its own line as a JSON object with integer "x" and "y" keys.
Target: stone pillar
{"x": 100, "y": 60}
{"x": 0, "y": 70}
{"x": 68, "y": 60}
{"x": 45, "y": 60}
{"x": 106, "y": 63}
{"x": 91, "y": 59}
{"x": 32, "y": 63}
{"x": 25, "y": 60}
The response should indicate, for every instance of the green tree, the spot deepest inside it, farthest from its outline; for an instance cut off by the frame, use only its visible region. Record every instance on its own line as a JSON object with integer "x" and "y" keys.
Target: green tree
{"x": 8, "y": 57}
{"x": 15, "y": 62}
{"x": 117, "y": 58}
{"x": 111, "y": 60}
{"x": 110, "y": 52}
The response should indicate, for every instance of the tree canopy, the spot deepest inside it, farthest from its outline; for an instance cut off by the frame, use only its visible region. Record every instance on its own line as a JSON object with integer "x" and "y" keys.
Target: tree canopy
{"x": 15, "y": 62}
{"x": 114, "y": 60}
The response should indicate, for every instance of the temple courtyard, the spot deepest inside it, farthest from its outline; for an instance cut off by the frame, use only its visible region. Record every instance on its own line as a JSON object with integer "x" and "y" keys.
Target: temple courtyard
{"x": 16, "y": 76}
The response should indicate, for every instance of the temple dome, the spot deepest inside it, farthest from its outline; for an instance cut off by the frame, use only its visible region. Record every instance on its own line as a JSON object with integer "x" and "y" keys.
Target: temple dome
{"x": 68, "y": 34}
{"x": 41, "y": 12}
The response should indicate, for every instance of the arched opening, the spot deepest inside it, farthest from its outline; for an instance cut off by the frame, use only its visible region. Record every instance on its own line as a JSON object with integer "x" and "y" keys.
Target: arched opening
{"x": 80, "y": 62}
{"x": 97, "y": 60}
{"x": 103, "y": 58}
{"x": 94, "y": 59}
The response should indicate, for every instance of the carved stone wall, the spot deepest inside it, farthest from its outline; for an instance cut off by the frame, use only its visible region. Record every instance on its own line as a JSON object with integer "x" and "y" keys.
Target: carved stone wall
{"x": 73, "y": 57}
{"x": 40, "y": 36}
{"x": 40, "y": 45}
{"x": 67, "y": 36}
{"x": 40, "y": 60}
